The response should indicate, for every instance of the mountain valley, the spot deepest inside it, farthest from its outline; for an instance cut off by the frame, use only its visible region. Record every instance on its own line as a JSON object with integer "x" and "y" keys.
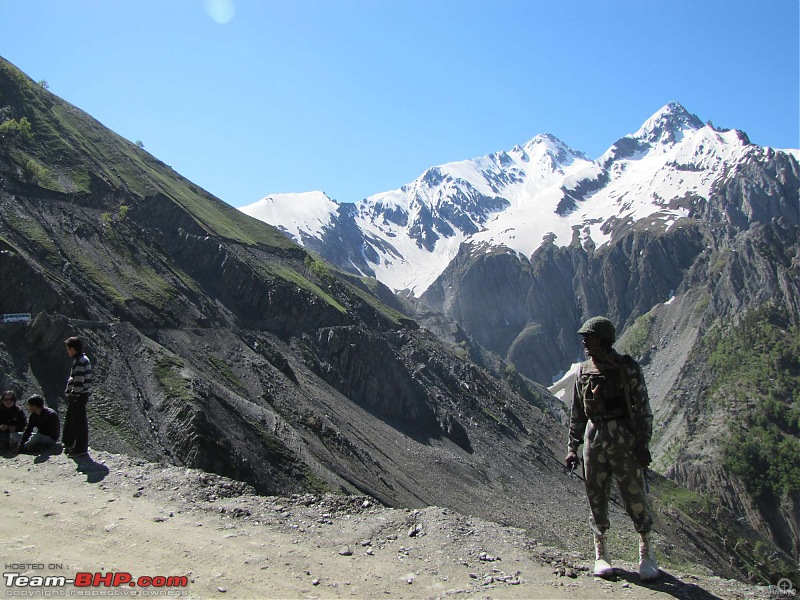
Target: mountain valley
{"x": 222, "y": 345}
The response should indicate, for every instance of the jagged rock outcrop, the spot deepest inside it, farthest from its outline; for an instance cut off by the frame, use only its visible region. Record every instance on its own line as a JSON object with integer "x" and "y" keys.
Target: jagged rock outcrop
{"x": 529, "y": 310}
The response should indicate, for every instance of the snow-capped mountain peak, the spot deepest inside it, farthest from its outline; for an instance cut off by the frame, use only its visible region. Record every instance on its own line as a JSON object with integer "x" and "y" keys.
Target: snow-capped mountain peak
{"x": 550, "y": 152}
{"x": 547, "y": 143}
{"x": 668, "y": 126}
{"x": 540, "y": 192}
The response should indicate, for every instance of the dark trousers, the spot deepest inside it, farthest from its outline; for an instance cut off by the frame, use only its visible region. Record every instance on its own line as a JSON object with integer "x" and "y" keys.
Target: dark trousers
{"x": 76, "y": 424}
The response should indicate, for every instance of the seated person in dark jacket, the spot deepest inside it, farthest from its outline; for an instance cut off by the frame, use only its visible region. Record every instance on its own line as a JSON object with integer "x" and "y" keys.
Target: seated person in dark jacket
{"x": 47, "y": 425}
{"x": 12, "y": 420}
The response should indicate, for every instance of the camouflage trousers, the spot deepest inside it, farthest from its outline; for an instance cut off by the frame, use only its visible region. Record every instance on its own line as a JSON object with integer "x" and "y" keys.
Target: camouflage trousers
{"x": 608, "y": 450}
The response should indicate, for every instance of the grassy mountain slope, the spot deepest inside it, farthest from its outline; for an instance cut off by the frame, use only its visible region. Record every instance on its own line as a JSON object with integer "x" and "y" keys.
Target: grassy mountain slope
{"x": 221, "y": 345}
{"x": 71, "y": 153}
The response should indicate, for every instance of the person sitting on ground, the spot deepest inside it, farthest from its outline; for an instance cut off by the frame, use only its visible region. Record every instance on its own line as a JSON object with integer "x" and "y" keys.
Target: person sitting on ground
{"x": 12, "y": 420}
{"x": 47, "y": 425}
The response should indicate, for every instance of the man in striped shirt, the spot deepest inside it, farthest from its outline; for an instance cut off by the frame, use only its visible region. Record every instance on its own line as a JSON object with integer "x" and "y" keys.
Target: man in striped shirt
{"x": 79, "y": 387}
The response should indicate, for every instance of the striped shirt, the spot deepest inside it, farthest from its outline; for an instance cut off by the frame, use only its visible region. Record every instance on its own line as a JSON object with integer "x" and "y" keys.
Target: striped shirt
{"x": 80, "y": 377}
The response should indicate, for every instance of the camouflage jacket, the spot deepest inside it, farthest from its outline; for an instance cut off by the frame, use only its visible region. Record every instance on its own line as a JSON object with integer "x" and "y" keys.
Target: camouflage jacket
{"x": 599, "y": 395}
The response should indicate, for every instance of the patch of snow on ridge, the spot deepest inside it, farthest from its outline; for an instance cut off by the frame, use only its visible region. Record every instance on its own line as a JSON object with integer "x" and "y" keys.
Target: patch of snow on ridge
{"x": 309, "y": 212}
{"x": 418, "y": 268}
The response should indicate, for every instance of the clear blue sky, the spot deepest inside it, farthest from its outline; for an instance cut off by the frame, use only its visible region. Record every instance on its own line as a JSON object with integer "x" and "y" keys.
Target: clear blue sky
{"x": 355, "y": 97}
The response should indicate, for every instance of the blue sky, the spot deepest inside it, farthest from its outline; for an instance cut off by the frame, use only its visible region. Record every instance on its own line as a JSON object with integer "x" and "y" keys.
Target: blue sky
{"x": 355, "y": 97}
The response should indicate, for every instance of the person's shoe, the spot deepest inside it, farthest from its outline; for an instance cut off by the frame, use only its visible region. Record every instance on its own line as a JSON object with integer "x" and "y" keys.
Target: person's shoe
{"x": 602, "y": 567}
{"x": 648, "y": 567}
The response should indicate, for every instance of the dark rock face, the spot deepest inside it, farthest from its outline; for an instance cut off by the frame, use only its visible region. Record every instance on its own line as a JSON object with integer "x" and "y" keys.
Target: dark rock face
{"x": 528, "y": 310}
{"x": 580, "y": 192}
{"x": 625, "y": 148}
{"x": 422, "y": 396}
{"x": 762, "y": 189}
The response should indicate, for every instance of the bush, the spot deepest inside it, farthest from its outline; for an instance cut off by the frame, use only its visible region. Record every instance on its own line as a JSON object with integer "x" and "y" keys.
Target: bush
{"x": 636, "y": 338}
{"x": 21, "y": 128}
{"x": 319, "y": 269}
{"x": 34, "y": 171}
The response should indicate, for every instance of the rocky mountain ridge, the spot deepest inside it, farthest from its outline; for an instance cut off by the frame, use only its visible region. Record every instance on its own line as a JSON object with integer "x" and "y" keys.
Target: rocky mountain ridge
{"x": 405, "y": 237}
{"x": 540, "y": 192}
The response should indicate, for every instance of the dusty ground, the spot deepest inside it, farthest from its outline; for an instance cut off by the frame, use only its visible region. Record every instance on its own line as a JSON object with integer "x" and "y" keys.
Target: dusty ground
{"x": 113, "y": 514}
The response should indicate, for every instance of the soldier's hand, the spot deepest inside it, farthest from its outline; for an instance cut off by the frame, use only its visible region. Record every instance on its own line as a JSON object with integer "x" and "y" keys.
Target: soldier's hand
{"x": 643, "y": 456}
{"x": 571, "y": 460}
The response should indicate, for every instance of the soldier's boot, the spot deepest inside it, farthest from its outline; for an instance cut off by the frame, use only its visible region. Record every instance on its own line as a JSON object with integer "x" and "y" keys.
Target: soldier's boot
{"x": 602, "y": 568}
{"x": 648, "y": 567}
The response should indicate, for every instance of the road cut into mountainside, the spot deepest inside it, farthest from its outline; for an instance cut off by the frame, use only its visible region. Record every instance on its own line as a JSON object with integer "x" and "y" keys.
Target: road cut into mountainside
{"x": 109, "y": 525}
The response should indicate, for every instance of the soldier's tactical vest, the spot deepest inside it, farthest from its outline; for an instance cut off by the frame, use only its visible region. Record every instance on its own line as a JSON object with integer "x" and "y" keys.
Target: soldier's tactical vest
{"x": 603, "y": 392}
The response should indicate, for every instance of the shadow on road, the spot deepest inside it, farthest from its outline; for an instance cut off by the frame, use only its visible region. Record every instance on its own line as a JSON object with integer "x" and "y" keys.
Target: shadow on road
{"x": 95, "y": 472}
{"x": 667, "y": 584}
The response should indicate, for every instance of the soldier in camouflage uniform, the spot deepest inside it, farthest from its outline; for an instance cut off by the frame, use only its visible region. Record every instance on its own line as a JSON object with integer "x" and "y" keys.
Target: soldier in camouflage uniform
{"x": 611, "y": 416}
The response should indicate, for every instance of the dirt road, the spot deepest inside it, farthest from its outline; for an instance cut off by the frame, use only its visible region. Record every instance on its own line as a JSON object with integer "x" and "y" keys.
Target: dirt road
{"x": 110, "y": 515}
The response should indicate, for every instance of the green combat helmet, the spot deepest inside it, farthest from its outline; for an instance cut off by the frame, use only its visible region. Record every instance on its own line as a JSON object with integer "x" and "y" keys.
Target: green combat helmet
{"x": 601, "y": 327}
